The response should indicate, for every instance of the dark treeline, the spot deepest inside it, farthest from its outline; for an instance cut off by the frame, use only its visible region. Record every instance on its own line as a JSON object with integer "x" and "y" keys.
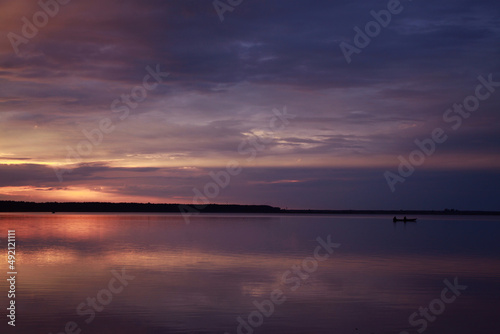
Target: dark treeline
{"x": 16, "y": 206}
{"x": 19, "y": 206}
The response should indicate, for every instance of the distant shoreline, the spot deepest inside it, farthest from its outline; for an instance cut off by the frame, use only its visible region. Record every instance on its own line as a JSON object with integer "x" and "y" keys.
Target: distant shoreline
{"x": 96, "y": 207}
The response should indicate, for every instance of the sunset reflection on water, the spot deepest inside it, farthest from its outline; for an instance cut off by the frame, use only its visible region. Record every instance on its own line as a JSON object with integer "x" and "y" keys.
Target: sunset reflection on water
{"x": 199, "y": 278}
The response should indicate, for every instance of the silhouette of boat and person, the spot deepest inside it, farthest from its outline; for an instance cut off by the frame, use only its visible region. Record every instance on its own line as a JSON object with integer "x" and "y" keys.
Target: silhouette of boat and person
{"x": 394, "y": 220}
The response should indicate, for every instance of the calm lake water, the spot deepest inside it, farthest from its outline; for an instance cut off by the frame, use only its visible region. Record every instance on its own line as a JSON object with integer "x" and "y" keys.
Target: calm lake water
{"x": 141, "y": 273}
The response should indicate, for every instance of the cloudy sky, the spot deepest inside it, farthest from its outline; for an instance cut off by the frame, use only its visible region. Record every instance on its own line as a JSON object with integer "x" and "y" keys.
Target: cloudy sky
{"x": 128, "y": 100}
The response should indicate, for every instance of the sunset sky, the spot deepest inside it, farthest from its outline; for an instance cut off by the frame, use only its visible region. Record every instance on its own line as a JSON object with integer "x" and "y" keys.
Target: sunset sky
{"x": 268, "y": 89}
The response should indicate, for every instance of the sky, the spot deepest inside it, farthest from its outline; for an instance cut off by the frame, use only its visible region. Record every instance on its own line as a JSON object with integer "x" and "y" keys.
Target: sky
{"x": 347, "y": 104}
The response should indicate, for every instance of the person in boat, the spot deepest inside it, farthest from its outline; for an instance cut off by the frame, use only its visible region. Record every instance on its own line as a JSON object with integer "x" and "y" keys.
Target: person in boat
{"x": 394, "y": 219}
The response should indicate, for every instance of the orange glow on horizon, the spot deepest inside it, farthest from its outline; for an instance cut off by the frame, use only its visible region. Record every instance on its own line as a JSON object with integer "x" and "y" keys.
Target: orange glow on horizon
{"x": 71, "y": 194}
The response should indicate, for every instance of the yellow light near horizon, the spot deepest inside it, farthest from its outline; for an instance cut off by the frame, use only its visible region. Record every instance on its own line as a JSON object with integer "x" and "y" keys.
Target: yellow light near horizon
{"x": 77, "y": 194}
{"x": 24, "y": 162}
{"x": 52, "y": 194}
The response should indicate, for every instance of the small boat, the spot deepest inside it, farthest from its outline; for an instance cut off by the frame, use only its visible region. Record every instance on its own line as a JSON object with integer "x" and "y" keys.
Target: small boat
{"x": 404, "y": 219}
